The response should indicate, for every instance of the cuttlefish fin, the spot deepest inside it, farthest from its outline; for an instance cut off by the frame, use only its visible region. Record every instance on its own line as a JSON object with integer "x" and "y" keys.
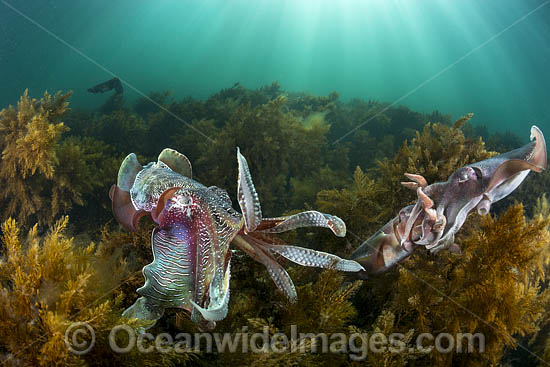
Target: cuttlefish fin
{"x": 123, "y": 208}
{"x": 529, "y": 157}
{"x": 144, "y": 309}
{"x": 247, "y": 196}
{"x": 538, "y": 158}
{"x": 176, "y": 161}
{"x": 128, "y": 171}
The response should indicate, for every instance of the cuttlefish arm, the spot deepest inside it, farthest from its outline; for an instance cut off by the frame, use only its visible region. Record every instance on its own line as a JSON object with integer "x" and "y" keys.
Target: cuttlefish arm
{"x": 255, "y": 238}
{"x": 309, "y": 218}
{"x": 384, "y": 249}
{"x": 442, "y": 207}
{"x": 252, "y": 211}
{"x": 481, "y": 184}
{"x": 279, "y": 275}
{"x": 247, "y": 196}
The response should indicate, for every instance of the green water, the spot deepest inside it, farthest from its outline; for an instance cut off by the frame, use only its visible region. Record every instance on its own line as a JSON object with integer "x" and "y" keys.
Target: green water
{"x": 488, "y": 57}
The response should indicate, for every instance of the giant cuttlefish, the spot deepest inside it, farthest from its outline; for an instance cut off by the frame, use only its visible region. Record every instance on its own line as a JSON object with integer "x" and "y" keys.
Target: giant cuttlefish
{"x": 110, "y": 84}
{"x": 442, "y": 207}
{"x": 196, "y": 224}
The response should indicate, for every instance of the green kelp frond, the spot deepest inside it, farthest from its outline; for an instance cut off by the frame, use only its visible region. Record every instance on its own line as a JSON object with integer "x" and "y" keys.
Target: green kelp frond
{"x": 276, "y": 145}
{"x": 359, "y": 205}
{"x": 493, "y": 288}
{"x": 29, "y": 135}
{"x": 83, "y": 176}
{"x": 41, "y": 175}
{"x": 398, "y": 351}
{"x": 47, "y": 284}
{"x": 323, "y": 307}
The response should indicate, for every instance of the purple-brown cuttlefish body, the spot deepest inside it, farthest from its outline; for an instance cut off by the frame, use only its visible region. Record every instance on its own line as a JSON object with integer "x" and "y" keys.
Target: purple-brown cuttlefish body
{"x": 196, "y": 225}
{"x": 442, "y": 207}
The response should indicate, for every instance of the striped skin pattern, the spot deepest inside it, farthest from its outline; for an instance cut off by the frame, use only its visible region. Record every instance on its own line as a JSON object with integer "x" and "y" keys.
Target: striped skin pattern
{"x": 196, "y": 225}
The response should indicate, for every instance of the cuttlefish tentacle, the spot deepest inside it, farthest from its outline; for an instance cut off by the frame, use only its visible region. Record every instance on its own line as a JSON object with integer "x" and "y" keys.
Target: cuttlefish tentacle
{"x": 255, "y": 240}
{"x": 427, "y": 203}
{"x": 261, "y": 246}
{"x": 279, "y": 275}
{"x": 416, "y": 181}
{"x": 440, "y": 224}
{"x": 411, "y": 221}
{"x": 423, "y": 208}
{"x": 252, "y": 212}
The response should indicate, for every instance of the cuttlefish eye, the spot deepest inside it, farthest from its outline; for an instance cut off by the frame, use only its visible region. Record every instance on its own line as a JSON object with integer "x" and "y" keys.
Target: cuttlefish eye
{"x": 179, "y": 201}
{"x": 183, "y": 204}
{"x": 466, "y": 174}
{"x": 463, "y": 177}
{"x": 185, "y": 200}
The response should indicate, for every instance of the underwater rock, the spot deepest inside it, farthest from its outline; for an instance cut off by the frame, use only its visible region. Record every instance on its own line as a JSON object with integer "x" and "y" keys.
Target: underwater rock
{"x": 442, "y": 207}
{"x": 108, "y": 86}
{"x": 196, "y": 224}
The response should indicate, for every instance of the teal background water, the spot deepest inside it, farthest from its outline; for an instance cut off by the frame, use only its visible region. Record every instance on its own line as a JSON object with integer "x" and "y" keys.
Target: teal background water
{"x": 372, "y": 49}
